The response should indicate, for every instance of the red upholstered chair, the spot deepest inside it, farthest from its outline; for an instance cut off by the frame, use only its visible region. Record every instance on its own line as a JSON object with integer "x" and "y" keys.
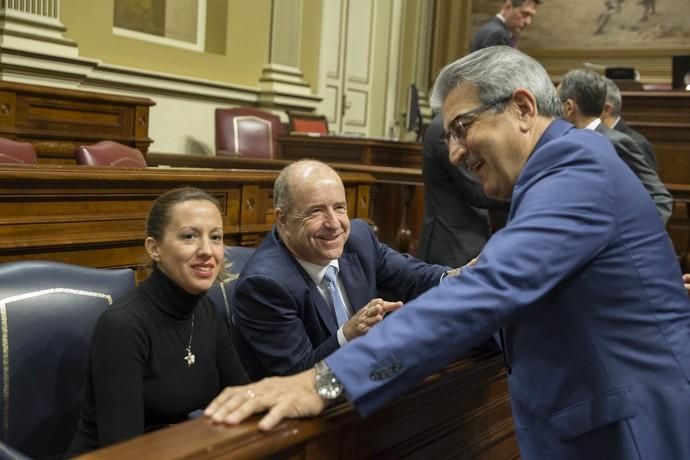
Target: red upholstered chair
{"x": 109, "y": 153}
{"x": 17, "y": 152}
{"x": 247, "y": 131}
{"x": 307, "y": 123}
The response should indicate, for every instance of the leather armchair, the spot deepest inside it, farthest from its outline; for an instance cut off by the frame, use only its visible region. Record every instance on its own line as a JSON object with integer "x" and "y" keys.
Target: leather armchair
{"x": 47, "y": 313}
{"x": 221, "y": 293}
{"x": 17, "y": 152}
{"x": 247, "y": 131}
{"x": 109, "y": 153}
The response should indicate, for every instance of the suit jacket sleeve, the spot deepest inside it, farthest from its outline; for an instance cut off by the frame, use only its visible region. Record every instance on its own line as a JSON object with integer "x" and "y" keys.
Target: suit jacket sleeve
{"x": 558, "y": 222}
{"x": 397, "y": 274}
{"x": 268, "y": 315}
{"x": 631, "y": 153}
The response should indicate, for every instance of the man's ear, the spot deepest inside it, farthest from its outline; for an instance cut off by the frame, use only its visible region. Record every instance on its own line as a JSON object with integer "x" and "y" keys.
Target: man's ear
{"x": 608, "y": 109}
{"x": 280, "y": 218}
{"x": 152, "y": 248}
{"x": 526, "y": 104}
{"x": 568, "y": 108}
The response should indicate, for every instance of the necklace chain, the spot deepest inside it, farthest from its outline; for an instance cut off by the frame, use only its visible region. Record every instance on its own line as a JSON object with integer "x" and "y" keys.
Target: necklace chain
{"x": 189, "y": 358}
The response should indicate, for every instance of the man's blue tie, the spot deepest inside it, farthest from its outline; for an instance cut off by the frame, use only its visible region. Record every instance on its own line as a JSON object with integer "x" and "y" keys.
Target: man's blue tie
{"x": 341, "y": 313}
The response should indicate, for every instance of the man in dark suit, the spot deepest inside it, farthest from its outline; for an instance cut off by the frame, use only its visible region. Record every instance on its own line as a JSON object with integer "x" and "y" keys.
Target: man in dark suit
{"x": 583, "y": 93}
{"x": 456, "y": 224}
{"x": 506, "y": 26}
{"x": 611, "y": 117}
{"x": 283, "y": 315}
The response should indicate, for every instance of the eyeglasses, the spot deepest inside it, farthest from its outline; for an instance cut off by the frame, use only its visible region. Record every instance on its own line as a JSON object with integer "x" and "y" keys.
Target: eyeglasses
{"x": 457, "y": 129}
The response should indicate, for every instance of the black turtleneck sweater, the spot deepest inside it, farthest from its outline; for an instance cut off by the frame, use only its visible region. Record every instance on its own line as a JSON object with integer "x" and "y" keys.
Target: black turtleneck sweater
{"x": 136, "y": 375}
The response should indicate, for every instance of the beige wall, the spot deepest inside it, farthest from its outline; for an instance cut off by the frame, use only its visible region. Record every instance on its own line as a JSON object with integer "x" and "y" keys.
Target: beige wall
{"x": 237, "y": 52}
{"x": 89, "y": 23}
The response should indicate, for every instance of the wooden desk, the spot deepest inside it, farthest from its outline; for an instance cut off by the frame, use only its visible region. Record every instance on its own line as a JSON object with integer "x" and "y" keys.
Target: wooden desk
{"x": 461, "y": 412}
{"x": 58, "y": 120}
{"x": 95, "y": 216}
{"x": 341, "y": 149}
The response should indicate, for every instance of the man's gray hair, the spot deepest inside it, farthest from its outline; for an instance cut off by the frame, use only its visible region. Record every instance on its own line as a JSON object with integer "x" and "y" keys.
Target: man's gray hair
{"x": 613, "y": 97}
{"x": 281, "y": 189}
{"x": 497, "y": 71}
{"x": 587, "y": 88}
{"x": 282, "y": 193}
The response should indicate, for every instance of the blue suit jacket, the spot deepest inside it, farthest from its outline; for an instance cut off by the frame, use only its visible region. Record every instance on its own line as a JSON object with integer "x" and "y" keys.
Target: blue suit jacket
{"x": 282, "y": 323}
{"x": 597, "y": 324}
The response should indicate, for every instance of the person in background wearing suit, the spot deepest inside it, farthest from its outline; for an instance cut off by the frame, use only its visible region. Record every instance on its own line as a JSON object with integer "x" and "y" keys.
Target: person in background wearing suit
{"x": 284, "y": 316}
{"x": 582, "y": 279}
{"x": 455, "y": 229}
{"x": 506, "y": 26}
{"x": 583, "y": 93}
{"x": 161, "y": 351}
{"x": 611, "y": 117}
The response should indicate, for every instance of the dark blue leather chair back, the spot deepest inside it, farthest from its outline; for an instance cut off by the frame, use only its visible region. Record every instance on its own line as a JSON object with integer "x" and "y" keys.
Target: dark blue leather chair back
{"x": 7, "y": 453}
{"x": 47, "y": 314}
{"x": 221, "y": 293}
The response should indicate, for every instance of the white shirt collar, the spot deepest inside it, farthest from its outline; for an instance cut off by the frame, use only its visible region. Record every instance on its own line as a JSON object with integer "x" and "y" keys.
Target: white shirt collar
{"x": 500, "y": 16}
{"x": 315, "y": 271}
{"x": 593, "y": 124}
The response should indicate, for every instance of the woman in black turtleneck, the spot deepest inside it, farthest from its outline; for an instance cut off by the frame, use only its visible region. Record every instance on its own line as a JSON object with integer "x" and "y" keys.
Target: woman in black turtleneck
{"x": 162, "y": 350}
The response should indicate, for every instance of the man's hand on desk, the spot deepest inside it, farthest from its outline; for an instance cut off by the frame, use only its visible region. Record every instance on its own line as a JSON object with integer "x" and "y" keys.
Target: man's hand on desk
{"x": 367, "y": 317}
{"x": 283, "y": 397}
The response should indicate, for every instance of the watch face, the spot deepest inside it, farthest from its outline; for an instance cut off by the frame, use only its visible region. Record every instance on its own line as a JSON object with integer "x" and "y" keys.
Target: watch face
{"x": 327, "y": 385}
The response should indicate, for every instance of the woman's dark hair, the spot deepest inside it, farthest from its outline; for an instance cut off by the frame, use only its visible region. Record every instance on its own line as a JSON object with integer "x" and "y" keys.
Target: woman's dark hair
{"x": 159, "y": 214}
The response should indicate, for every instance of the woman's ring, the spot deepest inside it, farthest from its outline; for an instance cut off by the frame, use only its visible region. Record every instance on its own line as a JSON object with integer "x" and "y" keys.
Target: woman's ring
{"x": 251, "y": 393}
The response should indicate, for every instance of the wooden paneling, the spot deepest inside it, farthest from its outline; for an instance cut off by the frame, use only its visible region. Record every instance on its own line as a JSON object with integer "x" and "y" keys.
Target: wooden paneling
{"x": 58, "y": 120}
{"x": 396, "y": 198}
{"x": 95, "y": 216}
{"x": 461, "y": 412}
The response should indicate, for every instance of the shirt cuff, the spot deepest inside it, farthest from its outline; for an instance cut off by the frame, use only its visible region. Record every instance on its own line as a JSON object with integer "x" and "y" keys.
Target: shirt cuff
{"x": 341, "y": 337}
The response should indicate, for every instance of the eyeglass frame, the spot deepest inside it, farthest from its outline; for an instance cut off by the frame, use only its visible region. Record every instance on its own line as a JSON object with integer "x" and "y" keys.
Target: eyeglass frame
{"x": 456, "y": 123}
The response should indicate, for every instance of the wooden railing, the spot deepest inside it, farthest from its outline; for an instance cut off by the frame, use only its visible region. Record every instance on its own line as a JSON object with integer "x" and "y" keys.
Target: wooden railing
{"x": 95, "y": 216}
{"x": 461, "y": 412}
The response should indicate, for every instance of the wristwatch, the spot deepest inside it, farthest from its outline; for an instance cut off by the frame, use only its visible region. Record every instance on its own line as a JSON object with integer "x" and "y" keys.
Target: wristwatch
{"x": 327, "y": 385}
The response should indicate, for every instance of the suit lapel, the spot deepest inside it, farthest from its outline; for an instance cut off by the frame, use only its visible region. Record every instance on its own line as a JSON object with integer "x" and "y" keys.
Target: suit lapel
{"x": 354, "y": 281}
{"x": 322, "y": 306}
